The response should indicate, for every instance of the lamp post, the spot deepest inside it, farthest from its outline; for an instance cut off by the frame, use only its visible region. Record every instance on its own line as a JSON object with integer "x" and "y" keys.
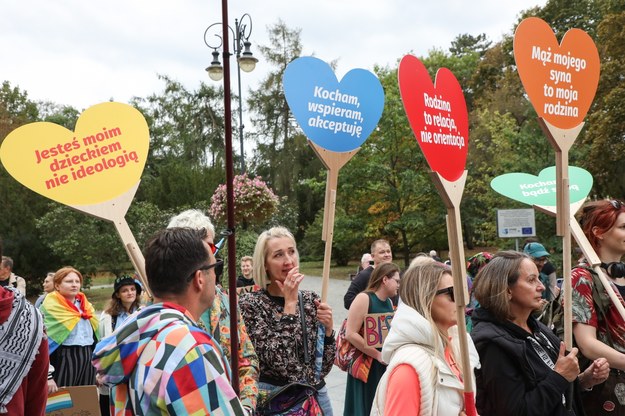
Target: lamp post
{"x": 246, "y": 62}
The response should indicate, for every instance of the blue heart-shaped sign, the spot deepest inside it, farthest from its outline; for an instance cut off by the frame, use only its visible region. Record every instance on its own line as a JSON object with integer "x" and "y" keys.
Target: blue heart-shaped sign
{"x": 338, "y": 116}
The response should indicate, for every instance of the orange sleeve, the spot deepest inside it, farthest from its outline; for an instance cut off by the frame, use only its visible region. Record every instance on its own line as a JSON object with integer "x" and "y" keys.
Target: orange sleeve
{"x": 403, "y": 392}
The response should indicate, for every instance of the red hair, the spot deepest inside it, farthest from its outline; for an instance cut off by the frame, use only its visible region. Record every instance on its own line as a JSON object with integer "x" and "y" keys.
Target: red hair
{"x": 601, "y": 216}
{"x": 64, "y": 271}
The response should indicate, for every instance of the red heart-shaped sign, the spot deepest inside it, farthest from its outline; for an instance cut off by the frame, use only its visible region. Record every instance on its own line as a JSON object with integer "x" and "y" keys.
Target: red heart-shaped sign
{"x": 560, "y": 80}
{"x": 437, "y": 114}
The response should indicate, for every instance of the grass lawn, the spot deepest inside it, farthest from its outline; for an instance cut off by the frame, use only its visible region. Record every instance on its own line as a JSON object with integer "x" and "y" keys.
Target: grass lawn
{"x": 315, "y": 268}
{"x": 98, "y": 297}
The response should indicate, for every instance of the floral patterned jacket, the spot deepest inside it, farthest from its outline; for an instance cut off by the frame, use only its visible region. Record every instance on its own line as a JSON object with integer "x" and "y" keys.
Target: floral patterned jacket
{"x": 217, "y": 322}
{"x": 278, "y": 338}
{"x": 585, "y": 312}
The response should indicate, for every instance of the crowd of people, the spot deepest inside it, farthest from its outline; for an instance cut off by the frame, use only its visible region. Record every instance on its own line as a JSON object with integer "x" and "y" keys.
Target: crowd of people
{"x": 172, "y": 355}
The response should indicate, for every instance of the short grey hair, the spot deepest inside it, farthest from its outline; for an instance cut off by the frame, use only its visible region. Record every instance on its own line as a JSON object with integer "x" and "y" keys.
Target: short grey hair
{"x": 193, "y": 218}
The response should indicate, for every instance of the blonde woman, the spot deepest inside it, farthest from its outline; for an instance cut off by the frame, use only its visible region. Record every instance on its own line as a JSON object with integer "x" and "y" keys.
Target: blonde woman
{"x": 383, "y": 285}
{"x": 272, "y": 316}
{"x": 424, "y": 374}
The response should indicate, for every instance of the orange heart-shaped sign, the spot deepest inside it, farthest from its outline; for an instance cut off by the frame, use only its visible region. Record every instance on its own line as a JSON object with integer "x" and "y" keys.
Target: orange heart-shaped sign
{"x": 101, "y": 160}
{"x": 560, "y": 79}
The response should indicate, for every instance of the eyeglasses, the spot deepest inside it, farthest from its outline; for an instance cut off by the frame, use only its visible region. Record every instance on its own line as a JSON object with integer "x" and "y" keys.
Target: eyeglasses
{"x": 447, "y": 291}
{"x": 217, "y": 265}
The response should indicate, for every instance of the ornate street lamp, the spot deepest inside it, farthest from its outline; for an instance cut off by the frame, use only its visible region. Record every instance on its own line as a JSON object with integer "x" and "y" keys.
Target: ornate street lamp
{"x": 246, "y": 61}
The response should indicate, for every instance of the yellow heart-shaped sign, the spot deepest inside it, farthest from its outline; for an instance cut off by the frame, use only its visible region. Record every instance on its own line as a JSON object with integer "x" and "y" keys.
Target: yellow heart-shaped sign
{"x": 101, "y": 160}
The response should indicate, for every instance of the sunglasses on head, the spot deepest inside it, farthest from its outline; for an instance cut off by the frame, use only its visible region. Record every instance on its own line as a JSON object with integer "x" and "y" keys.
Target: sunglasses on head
{"x": 447, "y": 291}
{"x": 616, "y": 204}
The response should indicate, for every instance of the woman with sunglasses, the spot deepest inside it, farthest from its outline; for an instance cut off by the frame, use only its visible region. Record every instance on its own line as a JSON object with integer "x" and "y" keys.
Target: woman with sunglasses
{"x": 525, "y": 369}
{"x": 383, "y": 285}
{"x": 274, "y": 320}
{"x": 422, "y": 348}
{"x": 598, "y": 328}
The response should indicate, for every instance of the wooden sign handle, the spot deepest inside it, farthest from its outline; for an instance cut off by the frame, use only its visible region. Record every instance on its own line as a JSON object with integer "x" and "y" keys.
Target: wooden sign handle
{"x": 561, "y": 140}
{"x": 114, "y": 210}
{"x": 451, "y": 193}
{"x": 333, "y": 161}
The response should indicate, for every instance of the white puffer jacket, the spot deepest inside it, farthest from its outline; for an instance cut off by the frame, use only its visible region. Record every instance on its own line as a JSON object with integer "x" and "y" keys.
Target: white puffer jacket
{"x": 411, "y": 341}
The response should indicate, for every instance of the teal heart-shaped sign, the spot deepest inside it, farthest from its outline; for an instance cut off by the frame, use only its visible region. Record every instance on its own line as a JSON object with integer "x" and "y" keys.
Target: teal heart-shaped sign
{"x": 338, "y": 116}
{"x": 541, "y": 189}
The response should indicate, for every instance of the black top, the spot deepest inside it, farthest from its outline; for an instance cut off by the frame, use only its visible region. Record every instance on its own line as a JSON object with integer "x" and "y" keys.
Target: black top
{"x": 513, "y": 378}
{"x": 242, "y": 282}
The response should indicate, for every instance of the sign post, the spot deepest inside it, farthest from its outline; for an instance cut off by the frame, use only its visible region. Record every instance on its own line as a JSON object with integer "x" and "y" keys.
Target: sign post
{"x": 560, "y": 80}
{"x": 95, "y": 170}
{"x": 337, "y": 117}
{"x": 439, "y": 120}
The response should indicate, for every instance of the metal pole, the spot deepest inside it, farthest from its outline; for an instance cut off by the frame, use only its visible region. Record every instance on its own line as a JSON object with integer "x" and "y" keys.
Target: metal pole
{"x": 232, "y": 293}
{"x": 239, "y": 46}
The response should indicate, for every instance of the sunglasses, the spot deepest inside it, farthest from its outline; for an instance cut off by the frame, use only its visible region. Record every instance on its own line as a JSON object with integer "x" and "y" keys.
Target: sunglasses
{"x": 447, "y": 291}
{"x": 616, "y": 204}
{"x": 218, "y": 265}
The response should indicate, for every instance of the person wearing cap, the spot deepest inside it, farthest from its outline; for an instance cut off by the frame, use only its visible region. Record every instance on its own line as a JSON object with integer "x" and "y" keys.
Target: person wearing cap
{"x": 125, "y": 301}
{"x": 547, "y": 274}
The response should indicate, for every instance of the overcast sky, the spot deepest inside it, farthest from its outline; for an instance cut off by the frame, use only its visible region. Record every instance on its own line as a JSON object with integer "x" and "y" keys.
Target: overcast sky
{"x": 81, "y": 53}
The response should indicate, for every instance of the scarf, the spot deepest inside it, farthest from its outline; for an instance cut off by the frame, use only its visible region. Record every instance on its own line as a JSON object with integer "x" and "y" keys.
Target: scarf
{"x": 21, "y": 332}
{"x": 61, "y": 317}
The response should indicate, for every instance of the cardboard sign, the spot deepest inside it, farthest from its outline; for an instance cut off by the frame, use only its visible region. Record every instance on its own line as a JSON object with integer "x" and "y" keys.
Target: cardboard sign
{"x": 437, "y": 114}
{"x": 541, "y": 189}
{"x": 247, "y": 289}
{"x": 560, "y": 79}
{"x": 102, "y": 159}
{"x": 337, "y": 116}
{"x": 69, "y": 401}
{"x": 376, "y": 328}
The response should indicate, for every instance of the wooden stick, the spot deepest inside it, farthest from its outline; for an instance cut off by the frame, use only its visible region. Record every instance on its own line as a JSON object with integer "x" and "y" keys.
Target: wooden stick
{"x": 114, "y": 210}
{"x": 333, "y": 161}
{"x": 451, "y": 193}
{"x": 325, "y": 277}
{"x": 562, "y": 140}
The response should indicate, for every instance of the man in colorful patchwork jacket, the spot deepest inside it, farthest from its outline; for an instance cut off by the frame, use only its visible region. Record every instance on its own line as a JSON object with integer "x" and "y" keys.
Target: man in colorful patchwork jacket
{"x": 160, "y": 361}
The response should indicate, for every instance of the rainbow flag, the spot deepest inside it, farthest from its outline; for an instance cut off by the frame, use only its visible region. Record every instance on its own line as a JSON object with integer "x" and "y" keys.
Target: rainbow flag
{"x": 59, "y": 400}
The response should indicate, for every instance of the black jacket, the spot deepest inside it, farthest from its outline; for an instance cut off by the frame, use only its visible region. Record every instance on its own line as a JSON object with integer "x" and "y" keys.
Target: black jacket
{"x": 513, "y": 379}
{"x": 360, "y": 283}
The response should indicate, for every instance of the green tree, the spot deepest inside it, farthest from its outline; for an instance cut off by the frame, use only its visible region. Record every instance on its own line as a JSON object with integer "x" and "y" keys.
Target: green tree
{"x": 21, "y": 206}
{"x": 186, "y": 156}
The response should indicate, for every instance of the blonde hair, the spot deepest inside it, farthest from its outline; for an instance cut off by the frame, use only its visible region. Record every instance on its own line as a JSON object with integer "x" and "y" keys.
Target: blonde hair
{"x": 418, "y": 289}
{"x": 260, "y": 253}
{"x": 420, "y": 260}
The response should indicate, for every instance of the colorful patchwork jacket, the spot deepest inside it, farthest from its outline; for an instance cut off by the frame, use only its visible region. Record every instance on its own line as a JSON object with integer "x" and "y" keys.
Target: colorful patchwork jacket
{"x": 217, "y": 320}
{"x": 160, "y": 362}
